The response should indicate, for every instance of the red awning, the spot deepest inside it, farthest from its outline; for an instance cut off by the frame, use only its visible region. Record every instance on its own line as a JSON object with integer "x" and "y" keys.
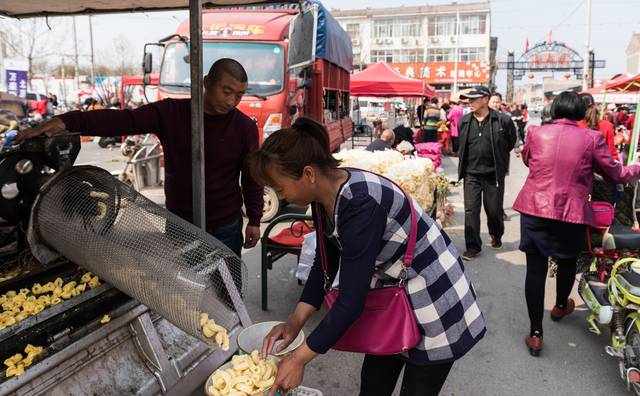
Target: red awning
{"x": 624, "y": 83}
{"x": 381, "y": 80}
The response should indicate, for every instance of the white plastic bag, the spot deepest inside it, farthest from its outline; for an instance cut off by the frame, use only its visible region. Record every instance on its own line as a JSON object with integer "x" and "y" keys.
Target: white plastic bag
{"x": 307, "y": 254}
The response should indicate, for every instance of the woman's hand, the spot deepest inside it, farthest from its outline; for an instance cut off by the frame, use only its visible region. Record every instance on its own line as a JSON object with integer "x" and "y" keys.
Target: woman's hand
{"x": 286, "y": 332}
{"x": 291, "y": 370}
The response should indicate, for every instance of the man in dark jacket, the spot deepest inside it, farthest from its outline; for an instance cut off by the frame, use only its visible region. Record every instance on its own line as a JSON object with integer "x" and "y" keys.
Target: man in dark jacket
{"x": 229, "y": 137}
{"x": 486, "y": 140}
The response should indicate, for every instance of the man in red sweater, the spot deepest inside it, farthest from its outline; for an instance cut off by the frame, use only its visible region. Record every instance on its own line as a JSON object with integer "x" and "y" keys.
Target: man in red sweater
{"x": 229, "y": 136}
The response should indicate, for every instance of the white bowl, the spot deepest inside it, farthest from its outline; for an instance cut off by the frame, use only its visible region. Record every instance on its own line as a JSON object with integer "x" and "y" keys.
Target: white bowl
{"x": 251, "y": 338}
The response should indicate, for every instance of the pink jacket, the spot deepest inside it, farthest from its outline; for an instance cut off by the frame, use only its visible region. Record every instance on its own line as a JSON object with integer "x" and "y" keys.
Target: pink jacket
{"x": 455, "y": 114}
{"x": 561, "y": 158}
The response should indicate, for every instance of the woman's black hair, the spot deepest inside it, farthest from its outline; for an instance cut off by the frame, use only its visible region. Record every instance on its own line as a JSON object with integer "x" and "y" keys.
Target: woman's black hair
{"x": 587, "y": 99}
{"x": 568, "y": 105}
{"x": 290, "y": 150}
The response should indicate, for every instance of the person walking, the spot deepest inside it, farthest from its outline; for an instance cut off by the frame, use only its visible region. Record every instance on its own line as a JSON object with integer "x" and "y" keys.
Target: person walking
{"x": 365, "y": 228}
{"x": 486, "y": 139}
{"x": 431, "y": 118}
{"x": 454, "y": 117}
{"x": 554, "y": 206}
{"x": 593, "y": 121}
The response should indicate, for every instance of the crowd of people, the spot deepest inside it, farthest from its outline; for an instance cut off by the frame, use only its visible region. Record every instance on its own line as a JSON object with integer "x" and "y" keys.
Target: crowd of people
{"x": 370, "y": 233}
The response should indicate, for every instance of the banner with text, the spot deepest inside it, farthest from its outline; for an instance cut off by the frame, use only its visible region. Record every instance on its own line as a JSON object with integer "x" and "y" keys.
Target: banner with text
{"x": 444, "y": 72}
{"x": 16, "y": 82}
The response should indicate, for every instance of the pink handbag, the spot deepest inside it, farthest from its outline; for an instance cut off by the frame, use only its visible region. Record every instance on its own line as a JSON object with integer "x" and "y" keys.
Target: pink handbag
{"x": 387, "y": 325}
{"x": 603, "y": 213}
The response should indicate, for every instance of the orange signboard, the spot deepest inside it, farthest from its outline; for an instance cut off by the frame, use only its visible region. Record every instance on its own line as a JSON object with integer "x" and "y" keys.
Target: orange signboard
{"x": 443, "y": 72}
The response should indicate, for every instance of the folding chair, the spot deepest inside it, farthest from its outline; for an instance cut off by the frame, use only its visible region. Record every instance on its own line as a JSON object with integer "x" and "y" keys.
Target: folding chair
{"x": 287, "y": 241}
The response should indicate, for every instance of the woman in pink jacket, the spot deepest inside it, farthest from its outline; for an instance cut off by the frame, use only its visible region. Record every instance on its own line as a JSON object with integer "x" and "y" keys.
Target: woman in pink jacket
{"x": 454, "y": 116}
{"x": 554, "y": 206}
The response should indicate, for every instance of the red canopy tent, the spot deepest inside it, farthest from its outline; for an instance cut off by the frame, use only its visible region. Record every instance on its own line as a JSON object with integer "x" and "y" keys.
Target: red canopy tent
{"x": 624, "y": 83}
{"x": 381, "y": 80}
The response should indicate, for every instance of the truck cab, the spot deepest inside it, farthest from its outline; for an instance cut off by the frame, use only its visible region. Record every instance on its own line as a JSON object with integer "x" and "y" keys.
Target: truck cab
{"x": 279, "y": 89}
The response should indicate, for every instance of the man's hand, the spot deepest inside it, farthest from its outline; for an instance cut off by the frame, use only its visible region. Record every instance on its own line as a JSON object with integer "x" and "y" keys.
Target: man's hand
{"x": 251, "y": 236}
{"x": 53, "y": 127}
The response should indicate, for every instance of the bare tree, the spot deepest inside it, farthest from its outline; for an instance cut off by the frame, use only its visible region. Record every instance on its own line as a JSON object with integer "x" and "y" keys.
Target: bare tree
{"x": 123, "y": 50}
{"x": 30, "y": 39}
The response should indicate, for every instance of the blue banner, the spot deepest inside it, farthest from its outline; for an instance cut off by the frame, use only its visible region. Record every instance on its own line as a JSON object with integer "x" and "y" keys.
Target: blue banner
{"x": 17, "y": 82}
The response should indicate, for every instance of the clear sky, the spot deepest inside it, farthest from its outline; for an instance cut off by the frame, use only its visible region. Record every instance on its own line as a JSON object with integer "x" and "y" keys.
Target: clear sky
{"x": 513, "y": 22}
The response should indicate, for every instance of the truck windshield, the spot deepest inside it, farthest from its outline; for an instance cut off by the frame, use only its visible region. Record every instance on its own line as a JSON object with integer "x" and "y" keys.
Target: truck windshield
{"x": 264, "y": 64}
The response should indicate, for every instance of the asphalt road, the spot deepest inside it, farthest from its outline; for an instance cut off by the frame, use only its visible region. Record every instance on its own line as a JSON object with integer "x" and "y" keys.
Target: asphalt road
{"x": 572, "y": 363}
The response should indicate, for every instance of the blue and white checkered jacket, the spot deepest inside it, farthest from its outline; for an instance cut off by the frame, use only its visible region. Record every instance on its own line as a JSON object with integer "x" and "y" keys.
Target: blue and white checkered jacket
{"x": 442, "y": 296}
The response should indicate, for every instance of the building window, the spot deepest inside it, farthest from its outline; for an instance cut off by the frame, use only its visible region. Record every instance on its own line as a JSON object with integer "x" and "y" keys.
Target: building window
{"x": 381, "y": 56}
{"x": 353, "y": 29}
{"x": 442, "y": 25}
{"x": 470, "y": 24}
{"x": 408, "y": 27}
{"x": 383, "y": 28}
{"x": 471, "y": 54}
{"x": 408, "y": 55}
{"x": 440, "y": 55}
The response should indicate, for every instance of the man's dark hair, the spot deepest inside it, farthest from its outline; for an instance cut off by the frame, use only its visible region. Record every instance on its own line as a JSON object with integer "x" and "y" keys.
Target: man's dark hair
{"x": 434, "y": 100}
{"x": 568, "y": 105}
{"x": 229, "y": 66}
{"x": 498, "y": 94}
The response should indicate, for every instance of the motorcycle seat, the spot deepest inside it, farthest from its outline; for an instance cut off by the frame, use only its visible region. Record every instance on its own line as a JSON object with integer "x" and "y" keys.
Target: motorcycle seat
{"x": 600, "y": 292}
{"x": 631, "y": 281}
{"x": 624, "y": 237}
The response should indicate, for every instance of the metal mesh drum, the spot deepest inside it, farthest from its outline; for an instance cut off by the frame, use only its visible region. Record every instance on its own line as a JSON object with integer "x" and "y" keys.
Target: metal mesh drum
{"x": 154, "y": 256}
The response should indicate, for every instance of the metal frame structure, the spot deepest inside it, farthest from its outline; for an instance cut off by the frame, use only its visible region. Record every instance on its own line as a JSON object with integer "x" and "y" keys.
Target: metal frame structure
{"x": 570, "y": 61}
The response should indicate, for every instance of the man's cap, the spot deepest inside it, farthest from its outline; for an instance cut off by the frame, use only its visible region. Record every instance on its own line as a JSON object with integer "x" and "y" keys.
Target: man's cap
{"x": 476, "y": 92}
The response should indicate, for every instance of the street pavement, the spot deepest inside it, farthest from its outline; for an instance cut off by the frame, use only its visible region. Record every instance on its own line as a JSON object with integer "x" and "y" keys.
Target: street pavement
{"x": 572, "y": 363}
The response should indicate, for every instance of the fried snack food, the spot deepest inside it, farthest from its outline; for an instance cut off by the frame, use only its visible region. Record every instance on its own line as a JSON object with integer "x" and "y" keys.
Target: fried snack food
{"x": 212, "y": 330}
{"x": 249, "y": 375}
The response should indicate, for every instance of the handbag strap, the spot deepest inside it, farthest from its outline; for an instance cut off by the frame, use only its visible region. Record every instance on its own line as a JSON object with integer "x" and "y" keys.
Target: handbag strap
{"x": 413, "y": 235}
{"x": 318, "y": 219}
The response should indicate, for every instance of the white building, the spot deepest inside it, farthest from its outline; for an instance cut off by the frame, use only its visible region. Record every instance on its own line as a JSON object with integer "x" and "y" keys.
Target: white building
{"x": 633, "y": 54}
{"x": 423, "y": 41}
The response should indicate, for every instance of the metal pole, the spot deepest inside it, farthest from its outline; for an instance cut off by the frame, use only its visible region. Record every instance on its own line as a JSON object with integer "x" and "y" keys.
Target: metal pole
{"x": 197, "y": 118}
{"x": 93, "y": 71}
{"x": 75, "y": 54}
{"x": 585, "y": 73}
{"x": 457, "y": 53}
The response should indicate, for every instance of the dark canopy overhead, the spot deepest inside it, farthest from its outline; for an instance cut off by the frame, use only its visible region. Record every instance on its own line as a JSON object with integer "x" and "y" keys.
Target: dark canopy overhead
{"x": 33, "y": 8}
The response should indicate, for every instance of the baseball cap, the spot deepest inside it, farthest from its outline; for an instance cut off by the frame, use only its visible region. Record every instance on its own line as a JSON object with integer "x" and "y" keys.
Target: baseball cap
{"x": 478, "y": 91}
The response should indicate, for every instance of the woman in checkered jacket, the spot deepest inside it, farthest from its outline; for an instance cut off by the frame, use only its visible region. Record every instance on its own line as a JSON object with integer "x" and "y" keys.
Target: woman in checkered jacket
{"x": 367, "y": 220}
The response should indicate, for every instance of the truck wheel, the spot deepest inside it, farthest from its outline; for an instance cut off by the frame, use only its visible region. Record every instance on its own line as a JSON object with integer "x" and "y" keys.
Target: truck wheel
{"x": 271, "y": 205}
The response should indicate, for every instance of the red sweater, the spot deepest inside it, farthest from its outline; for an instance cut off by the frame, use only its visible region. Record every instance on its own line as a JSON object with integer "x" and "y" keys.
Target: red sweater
{"x": 607, "y": 130}
{"x": 228, "y": 139}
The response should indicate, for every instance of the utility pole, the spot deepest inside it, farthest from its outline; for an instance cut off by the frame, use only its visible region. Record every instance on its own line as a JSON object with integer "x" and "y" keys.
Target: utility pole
{"x": 587, "y": 57}
{"x": 457, "y": 52}
{"x": 75, "y": 55}
{"x": 63, "y": 78}
{"x": 93, "y": 70}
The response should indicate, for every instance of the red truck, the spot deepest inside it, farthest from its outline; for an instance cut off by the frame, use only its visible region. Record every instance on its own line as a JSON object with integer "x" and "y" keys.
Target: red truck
{"x": 280, "y": 88}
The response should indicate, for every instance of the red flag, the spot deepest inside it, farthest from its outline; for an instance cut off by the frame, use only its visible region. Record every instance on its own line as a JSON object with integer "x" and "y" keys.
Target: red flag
{"x": 549, "y": 37}
{"x": 526, "y": 45}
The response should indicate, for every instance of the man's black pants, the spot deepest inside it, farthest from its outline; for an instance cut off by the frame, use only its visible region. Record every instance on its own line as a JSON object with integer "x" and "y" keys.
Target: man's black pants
{"x": 482, "y": 190}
